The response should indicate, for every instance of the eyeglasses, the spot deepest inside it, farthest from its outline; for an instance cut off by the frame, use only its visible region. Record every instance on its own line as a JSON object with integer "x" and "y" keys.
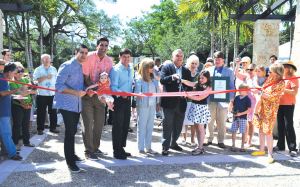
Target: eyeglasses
{"x": 2, "y": 64}
{"x": 270, "y": 72}
{"x": 152, "y": 66}
{"x": 250, "y": 69}
{"x": 21, "y": 71}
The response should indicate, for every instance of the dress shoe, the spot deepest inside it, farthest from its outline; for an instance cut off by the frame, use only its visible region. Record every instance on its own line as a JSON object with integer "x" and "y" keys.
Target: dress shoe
{"x": 165, "y": 152}
{"x": 222, "y": 145}
{"x": 120, "y": 156}
{"x": 40, "y": 132}
{"x": 54, "y": 131}
{"x": 46, "y": 126}
{"x": 126, "y": 153}
{"x": 57, "y": 125}
{"x": 207, "y": 143}
{"x": 176, "y": 147}
{"x": 276, "y": 148}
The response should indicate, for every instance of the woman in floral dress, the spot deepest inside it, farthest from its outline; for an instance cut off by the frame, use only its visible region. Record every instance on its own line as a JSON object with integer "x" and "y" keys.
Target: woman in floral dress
{"x": 270, "y": 98}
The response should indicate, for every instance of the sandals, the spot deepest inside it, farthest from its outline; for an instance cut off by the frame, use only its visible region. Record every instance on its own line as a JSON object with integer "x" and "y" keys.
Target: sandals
{"x": 233, "y": 149}
{"x": 242, "y": 150}
{"x": 198, "y": 151}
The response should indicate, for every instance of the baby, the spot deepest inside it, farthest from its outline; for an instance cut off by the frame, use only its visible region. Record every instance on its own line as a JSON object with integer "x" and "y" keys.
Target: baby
{"x": 261, "y": 78}
{"x": 104, "y": 85}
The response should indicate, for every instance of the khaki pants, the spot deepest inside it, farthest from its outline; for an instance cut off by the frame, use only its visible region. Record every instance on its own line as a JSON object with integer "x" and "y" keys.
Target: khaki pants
{"x": 220, "y": 115}
{"x": 93, "y": 116}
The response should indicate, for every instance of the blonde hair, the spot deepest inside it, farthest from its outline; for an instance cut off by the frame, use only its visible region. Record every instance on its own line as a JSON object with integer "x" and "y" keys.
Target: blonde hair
{"x": 144, "y": 69}
{"x": 243, "y": 86}
{"x": 190, "y": 60}
{"x": 167, "y": 62}
{"x": 260, "y": 67}
{"x": 278, "y": 69}
{"x": 207, "y": 64}
{"x": 19, "y": 65}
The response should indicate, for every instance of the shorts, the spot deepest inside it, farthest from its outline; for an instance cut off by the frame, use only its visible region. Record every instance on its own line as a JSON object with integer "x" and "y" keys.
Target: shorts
{"x": 242, "y": 126}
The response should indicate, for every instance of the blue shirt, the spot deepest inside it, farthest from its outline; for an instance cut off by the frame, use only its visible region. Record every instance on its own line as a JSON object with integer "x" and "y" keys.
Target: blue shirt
{"x": 218, "y": 72}
{"x": 5, "y": 102}
{"x": 121, "y": 78}
{"x": 42, "y": 71}
{"x": 69, "y": 76}
{"x": 242, "y": 105}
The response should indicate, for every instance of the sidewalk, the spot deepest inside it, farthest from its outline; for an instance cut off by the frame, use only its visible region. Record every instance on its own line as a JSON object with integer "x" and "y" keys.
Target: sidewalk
{"x": 45, "y": 165}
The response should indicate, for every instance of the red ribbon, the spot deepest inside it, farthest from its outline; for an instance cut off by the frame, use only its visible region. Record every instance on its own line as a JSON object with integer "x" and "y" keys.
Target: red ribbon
{"x": 164, "y": 94}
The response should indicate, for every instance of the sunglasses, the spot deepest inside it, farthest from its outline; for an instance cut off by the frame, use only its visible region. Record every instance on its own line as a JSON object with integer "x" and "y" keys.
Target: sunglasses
{"x": 270, "y": 72}
{"x": 152, "y": 66}
{"x": 2, "y": 64}
{"x": 21, "y": 71}
{"x": 250, "y": 69}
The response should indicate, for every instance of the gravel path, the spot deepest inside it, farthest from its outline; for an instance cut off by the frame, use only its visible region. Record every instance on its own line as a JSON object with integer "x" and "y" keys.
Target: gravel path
{"x": 200, "y": 174}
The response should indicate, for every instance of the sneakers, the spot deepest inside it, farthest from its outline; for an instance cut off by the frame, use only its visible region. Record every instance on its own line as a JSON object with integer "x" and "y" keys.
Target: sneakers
{"x": 74, "y": 168}
{"x": 16, "y": 157}
{"x": 293, "y": 153}
{"x": 92, "y": 157}
{"x": 40, "y": 132}
{"x": 80, "y": 160}
{"x": 100, "y": 152}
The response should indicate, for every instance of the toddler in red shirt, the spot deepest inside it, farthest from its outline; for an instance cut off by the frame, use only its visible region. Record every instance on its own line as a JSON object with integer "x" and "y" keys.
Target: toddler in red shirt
{"x": 104, "y": 85}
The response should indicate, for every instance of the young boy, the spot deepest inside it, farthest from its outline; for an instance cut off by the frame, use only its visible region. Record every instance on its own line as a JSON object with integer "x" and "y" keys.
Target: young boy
{"x": 241, "y": 107}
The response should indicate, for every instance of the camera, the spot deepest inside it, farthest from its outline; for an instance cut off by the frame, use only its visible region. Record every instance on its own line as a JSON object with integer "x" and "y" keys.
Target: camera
{"x": 236, "y": 119}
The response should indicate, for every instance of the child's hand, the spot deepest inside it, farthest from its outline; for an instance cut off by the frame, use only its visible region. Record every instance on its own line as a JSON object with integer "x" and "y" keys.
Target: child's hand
{"x": 237, "y": 115}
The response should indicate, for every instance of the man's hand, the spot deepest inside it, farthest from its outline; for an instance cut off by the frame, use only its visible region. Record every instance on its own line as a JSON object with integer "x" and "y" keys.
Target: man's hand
{"x": 141, "y": 95}
{"x": 34, "y": 92}
{"x": 49, "y": 76}
{"x": 176, "y": 76}
{"x": 23, "y": 89}
{"x": 80, "y": 93}
{"x": 102, "y": 100}
{"x": 124, "y": 96}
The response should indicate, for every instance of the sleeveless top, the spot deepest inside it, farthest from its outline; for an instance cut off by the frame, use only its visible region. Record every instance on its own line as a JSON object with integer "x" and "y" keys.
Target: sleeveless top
{"x": 203, "y": 101}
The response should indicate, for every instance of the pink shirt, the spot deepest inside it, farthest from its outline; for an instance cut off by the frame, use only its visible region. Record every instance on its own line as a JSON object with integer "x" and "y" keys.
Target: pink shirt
{"x": 93, "y": 66}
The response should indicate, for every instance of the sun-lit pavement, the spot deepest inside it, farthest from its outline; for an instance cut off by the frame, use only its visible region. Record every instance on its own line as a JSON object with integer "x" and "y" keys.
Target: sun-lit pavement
{"x": 45, "y": 165}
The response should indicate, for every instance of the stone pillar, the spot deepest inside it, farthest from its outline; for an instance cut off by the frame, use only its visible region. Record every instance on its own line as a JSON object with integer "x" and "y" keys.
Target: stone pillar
{"x": 1, "y": 33}
{"x": 296, "y": 59}
{"x": 265, "y": 41}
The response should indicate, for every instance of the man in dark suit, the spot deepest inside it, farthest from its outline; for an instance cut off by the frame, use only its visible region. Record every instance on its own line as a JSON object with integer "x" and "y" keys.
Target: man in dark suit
{"x": 173, "y": 107}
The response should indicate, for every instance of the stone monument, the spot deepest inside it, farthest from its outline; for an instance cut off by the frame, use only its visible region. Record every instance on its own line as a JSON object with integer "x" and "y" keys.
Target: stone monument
{"x": 265, "y": 41}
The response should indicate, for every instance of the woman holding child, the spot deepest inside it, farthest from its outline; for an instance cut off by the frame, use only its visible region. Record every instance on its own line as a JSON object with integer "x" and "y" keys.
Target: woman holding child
{"x": 270, "y": 98}
{"x": 146, "y": 106}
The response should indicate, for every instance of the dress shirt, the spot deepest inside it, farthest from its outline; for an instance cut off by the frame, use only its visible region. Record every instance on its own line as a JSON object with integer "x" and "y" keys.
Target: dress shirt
{"x": 218, "y": 72}
{"x": 93, "y": 66}
{"x": 121, "y": 78}
{"x": 42, "y": 71}
{"x": 69, "y": 76}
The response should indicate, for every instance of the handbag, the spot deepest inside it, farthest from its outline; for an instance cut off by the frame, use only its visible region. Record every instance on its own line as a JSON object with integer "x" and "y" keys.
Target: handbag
{"x": 25, "y": 105}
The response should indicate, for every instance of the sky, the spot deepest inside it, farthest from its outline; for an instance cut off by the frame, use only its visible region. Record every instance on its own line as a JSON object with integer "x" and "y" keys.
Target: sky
{"x": 126, "y": 9}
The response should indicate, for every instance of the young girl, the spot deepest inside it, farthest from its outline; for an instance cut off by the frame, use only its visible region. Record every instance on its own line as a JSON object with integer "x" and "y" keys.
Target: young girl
{"x": 104, "y": 85}
{"x": 199, "y": 112}
{"x": 261, "y": 78}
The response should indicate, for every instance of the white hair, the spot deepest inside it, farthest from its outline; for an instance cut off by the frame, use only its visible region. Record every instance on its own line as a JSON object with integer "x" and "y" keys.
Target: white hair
{"x": 190, "y": 60}
{"x": 176, "y": 52}
{"x": 44, "y": 55}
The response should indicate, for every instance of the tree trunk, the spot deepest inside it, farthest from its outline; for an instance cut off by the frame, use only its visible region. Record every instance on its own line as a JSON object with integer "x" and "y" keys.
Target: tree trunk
{"x": 30, "y": 67}
{"x": 41, "y": 33}
{"x": 51, "y": 39}
{"x": 212, "y": 47}
{"x": 222, "y": 37}
{"x": 25, "y": 41}
{"x": 291, "y": 31}
{"x": 228, "y": 41}
{"x": 236, "y": 43}
{"x": 8, "y": 36}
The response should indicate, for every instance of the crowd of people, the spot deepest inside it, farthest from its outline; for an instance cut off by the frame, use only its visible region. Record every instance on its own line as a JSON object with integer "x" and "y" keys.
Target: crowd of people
{"x": 77, "y": 80}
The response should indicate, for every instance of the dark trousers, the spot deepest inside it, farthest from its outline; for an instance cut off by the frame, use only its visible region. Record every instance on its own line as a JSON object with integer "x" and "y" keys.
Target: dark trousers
{"x": 120, "y": 124}
{"x": 172, "y": 125}
{"x": 41, "y": 103}
{"x": 70, "y": 121}
{"x": 286, "y": 130}
{"x": 21, "y": 118}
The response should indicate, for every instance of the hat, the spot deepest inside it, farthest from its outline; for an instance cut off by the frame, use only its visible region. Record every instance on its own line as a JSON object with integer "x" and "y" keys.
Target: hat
{"x": 192, "y": 53}
{"x": 209, "y": 59}
{"x": 289, "y": 63}
{"x": 246, "y": 59}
